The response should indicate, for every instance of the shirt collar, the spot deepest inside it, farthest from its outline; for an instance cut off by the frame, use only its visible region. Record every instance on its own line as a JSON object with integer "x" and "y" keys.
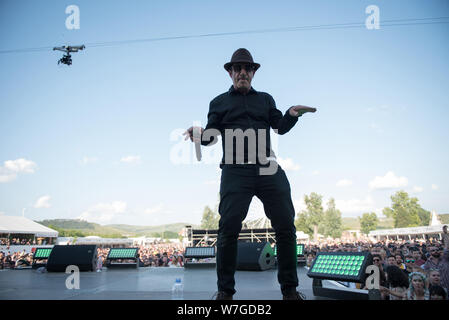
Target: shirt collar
{"x": 232, "y": 90}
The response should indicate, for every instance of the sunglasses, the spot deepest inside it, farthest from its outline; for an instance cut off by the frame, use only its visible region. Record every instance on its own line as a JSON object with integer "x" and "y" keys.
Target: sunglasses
{"x": 376, "y": 260}
{"x": 247, "y": 67}
{"x": 408, "y": 261}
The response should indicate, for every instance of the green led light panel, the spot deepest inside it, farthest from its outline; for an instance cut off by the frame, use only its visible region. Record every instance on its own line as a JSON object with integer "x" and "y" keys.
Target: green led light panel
{"x": 42, "y": 253}
{"x": 340, "y": 266}
{"x": 200, "y": 252}
{"x": 122, "y": 253}
{"x": 299, "y": 250}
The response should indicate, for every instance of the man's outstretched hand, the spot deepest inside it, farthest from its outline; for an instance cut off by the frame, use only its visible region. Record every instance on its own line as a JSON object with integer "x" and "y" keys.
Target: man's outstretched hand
{"x": 297, "y": 111}
{"x": 189, "y": 133}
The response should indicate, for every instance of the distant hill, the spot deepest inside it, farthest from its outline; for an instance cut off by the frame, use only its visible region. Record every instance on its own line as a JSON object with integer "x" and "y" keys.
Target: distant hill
{"x": 444, "y": 218}
{"x": 350, "y": 223}
{"x": 70, "y": 224}
{"x": 147, "y": 230}
{"x": 84, "y": 228}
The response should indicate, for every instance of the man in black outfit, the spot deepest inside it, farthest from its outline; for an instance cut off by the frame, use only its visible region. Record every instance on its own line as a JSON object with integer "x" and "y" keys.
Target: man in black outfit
{"x": 243, "y": 117}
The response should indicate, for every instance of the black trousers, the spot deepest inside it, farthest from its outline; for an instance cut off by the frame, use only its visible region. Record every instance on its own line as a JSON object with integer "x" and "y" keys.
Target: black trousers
{"x": 239, "y": 183}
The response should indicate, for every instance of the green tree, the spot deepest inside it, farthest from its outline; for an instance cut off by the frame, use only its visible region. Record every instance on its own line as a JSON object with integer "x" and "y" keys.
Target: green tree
{"x": 302, "y": 225}
{"x": 424, "y": 216}
{"x": 331, "y": 224}
{"x": 404, "y": 210}
{"x": 210, "y": 219}
{"x": 170, "y": 235}
{"x": 310, "y": 219}
{"x": 368, "y": 222}
{"x": 67, "y": 232}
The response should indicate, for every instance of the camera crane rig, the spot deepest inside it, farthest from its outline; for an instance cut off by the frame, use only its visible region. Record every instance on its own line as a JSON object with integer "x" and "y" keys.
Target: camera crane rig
{"x": 67, "y": 58}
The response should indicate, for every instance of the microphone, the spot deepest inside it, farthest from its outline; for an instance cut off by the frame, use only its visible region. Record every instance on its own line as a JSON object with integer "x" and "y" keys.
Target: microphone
{"x": 197, "y": 141}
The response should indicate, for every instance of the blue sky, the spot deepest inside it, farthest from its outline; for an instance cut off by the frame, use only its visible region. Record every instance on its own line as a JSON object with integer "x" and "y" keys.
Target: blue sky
{"x": 101, "y": 139}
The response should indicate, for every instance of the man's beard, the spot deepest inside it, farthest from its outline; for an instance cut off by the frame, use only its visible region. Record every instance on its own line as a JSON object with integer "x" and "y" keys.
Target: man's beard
{"x": 244, "y": 88}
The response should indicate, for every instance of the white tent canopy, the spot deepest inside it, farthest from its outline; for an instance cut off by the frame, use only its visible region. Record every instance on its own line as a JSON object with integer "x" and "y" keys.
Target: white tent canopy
{"x": 22, "y": 225}
{"x": 104, "y": 241}
{"x": 436, "y": 229}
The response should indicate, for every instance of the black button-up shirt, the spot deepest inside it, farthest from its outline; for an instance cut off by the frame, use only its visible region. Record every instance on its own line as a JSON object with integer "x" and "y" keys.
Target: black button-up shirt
{"x": 256, "y": 110}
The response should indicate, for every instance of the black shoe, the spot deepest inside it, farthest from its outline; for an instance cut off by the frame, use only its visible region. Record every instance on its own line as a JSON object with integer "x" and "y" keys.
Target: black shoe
{"x": 221, "y": 295}
{"x": 296, "y": 295}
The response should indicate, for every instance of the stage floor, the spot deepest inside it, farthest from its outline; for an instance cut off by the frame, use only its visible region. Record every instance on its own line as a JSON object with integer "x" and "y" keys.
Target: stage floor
{"x": 142, "y": 284}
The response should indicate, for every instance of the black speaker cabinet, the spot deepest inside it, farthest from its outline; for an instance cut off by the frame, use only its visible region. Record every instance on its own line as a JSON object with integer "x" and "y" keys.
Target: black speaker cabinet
{"x": 256, "y": 256}
{"x": 82, "y": 256}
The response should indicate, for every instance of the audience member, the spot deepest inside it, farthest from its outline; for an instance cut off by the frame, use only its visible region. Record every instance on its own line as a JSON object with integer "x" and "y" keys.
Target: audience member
{"x": 434, "y": 260}
{"x": 410, "y": 265}
{"x": 417, "y": 256}
{"x": 437, "y": 292}
{"x": 445, "y": 237}
{"x": 391, "y": 261}
{"x": 397, "y": 283}
{"x": 399, "y": 261}
{"x": 310, "y": 258}
{"x": 377, "y": 261}
{"x": 417, "y": 287}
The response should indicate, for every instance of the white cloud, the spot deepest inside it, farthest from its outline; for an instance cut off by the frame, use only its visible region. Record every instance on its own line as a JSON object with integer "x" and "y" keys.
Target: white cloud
{"x": 131, "y": 159}
{"x": 155, "y": 209}
{"x": 344, "y": 183}
{"x": 20, "y": 165}
{"x": 104, "y": 212}
{"x": 87, "y": 160}
{"x": 376, "y": 127}
{"x": 288, "y": 164}
{"x": 355, "y": 206}
{"x": 417, "y": 189}
{"x": 315, "y": 173}
{"x": 434, "y": 187}
{"x": 299, "y": 205}
{"x": 43, "y": 202}
{"x": 389, "y": 181}
{"x": 6, "y": 175}
{"x": 10, "y": 169}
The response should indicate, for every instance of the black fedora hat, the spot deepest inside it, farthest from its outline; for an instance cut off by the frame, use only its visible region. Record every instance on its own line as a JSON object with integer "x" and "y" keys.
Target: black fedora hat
{"x": 241, "y": 56}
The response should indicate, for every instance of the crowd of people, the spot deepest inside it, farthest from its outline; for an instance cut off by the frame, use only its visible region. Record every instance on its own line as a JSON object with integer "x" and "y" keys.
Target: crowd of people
{"x": 151, "y": 255}
{"x": 17, "y": 242}
{"x": 26, "y": 241}
{"x": 154, "y": 255}
{"x": 15, "y": 260}
{"x": 409, "y": 269}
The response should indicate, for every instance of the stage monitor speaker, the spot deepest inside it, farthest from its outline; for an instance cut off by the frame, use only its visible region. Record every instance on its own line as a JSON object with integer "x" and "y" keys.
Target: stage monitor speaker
{"x": 256, "y": 256}
{"x": 82, "y": 256}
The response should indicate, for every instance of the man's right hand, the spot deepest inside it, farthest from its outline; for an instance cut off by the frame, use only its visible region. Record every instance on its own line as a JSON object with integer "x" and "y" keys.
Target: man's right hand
{"x": 198, "y": 133}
